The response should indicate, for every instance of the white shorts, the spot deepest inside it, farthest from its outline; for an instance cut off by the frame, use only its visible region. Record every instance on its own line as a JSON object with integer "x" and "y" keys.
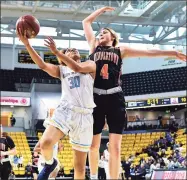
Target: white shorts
{"x": 76, "y": 122}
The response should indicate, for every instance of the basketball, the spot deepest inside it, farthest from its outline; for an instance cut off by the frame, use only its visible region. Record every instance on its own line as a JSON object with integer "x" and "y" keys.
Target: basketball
{"x": 30, "y": 24}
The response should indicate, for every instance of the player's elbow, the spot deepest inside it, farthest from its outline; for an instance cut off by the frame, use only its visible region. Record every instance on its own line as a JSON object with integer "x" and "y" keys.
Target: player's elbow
{"x": 42, "y": 66}
{"x": 77, "y": 68}
{"x": 86, "y": 21}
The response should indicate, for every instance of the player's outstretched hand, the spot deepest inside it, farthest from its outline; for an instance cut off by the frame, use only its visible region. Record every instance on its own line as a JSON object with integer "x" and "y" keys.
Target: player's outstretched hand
{"x": 181, "y": 56}
{"x": 107, "y": 9}
{"x": 22, "y": 36}
{"x": 49, "y": 42}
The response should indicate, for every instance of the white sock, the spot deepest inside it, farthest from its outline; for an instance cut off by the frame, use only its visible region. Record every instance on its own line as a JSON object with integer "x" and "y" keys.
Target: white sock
{"x": 93, "y": 176}
{"x": 49, "y": 161}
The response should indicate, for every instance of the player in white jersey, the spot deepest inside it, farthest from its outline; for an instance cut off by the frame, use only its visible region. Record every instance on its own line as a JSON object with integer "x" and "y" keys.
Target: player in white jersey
{"x": 73, "y": 116}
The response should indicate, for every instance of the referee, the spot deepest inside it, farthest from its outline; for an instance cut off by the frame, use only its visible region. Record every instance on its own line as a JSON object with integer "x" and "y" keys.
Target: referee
{"x": 7, "y": 147}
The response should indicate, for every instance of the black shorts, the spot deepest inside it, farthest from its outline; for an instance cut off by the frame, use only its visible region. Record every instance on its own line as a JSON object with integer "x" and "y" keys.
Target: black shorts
{"x": 5, "y": 170}
{"x": 111, "y": 106}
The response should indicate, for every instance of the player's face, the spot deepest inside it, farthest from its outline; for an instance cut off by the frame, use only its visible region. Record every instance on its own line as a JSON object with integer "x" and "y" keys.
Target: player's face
{"x": 105, "y": 37}
{"x": 73, "y": 53}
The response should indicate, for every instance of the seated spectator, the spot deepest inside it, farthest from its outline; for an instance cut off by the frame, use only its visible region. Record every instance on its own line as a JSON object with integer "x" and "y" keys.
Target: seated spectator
{"x": 15, "y": 161}
{"x": 20, "y": 161}
{"x": 28, "y": 170}
{"x": 12, "y": 175}
{"x": 176, "y": 163}
{"x": 141, "y": 170}
{"x": 170, "y": 163}
{"x": 152, "y": 167}
{"x": 126, "y": 167}
{"x": 162, "y": 163}
{"x": 172, "y": 118}
{"x": 61, "y": 172}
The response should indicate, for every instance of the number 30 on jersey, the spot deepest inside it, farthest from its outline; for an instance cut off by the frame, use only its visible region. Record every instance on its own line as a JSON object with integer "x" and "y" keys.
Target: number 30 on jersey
{"x": 104, "y": 71}
{"x": 74, "y": 82}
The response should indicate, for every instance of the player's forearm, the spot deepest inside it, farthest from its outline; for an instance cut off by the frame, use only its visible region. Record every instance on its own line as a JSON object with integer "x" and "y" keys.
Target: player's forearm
{"x": 157, "y": 53}
{"x": 93, "y": 16}
{"x": 68, "y": 61}
{"x": 35, "y": 57}
{"x": 10, "y": 152}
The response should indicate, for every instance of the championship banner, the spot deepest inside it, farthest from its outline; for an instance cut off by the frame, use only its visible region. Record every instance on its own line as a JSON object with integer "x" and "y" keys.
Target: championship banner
{"x": 169, "y": 175}
{"x": 15, "y": 101}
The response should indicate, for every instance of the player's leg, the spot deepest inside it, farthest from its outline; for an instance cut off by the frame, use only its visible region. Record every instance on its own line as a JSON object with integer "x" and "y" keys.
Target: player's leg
{"x": 99, "y": 121}
{"x": 94, "y": 156}
{"x": 79, "y": 161}
{"x": 54, "y": 173}
{"x": 81, "y": 140}
{"x": 48, "y": 140}
{"x": 116, "y": 119}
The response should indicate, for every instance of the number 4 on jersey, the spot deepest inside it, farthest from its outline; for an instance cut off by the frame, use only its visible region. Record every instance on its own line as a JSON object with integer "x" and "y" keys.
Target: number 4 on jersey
{"x": 104, "y": 71}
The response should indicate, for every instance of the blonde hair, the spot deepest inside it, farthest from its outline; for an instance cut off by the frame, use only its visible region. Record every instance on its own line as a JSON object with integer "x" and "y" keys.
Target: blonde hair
{"x": 113, "y": 33}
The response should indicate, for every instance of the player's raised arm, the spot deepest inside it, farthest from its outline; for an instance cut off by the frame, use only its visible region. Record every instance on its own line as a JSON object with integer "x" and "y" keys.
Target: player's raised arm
{"x": 85, "y": 67}
{"x": 89, "y": 34}
{"x": 132, "y": 52}
{"x": 51, "y": 69}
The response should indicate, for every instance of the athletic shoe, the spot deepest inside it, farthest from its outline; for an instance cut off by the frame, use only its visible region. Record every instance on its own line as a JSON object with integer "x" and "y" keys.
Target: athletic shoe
{"x": 46, "y": 171}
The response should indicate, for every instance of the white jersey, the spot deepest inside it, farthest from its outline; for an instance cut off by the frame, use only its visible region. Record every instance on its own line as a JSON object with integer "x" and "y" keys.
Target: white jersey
{"x": 77, "y": 88}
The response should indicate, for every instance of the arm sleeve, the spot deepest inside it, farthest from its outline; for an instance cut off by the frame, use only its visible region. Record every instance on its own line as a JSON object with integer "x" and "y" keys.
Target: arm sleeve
{"x": 10, "y": 142}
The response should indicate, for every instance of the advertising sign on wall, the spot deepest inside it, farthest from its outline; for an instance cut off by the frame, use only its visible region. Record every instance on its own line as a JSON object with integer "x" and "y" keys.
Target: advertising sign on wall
{"x": 15, "y": 101}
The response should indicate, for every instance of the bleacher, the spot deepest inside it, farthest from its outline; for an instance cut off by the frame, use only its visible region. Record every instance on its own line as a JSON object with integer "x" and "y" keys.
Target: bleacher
{"x": 134, "y": 143}
{"x": 157, "y": 81}
{"x": 8, "y": 78}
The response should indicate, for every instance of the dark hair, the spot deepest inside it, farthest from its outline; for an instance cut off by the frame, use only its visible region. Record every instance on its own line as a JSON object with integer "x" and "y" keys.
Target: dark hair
{"x": 4, "y": 134}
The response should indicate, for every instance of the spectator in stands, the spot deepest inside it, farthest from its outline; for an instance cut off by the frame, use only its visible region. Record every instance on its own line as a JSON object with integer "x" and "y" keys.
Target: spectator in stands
{"x": 15, "y": 161}
{"x": 28, "y": 170}
{"x": 173, "y": 127}
{"x": 20, "y": 161}
{"x": 7, "y": 148}
{"x": 172, "y": 118}
{"x": 170, "y": 163}
{"x": 35, "y": 158}
{"x": 142, "y": 171}
{"x": 126, "y": 167}
{"x": 13, "y": 120}
{"x": 137, "y": 118}
{"x": 12, "y": 175}
{"x": 101, "y": 170}
{"x": 184, "y": 163}
{"x": 152, "y": 167}
{"x": 160, "y": 125}
{"x": 176, "y": 163}
{"x": 61, "y": 171}
{"x": 106, "y": 156}
{"x": 162, "y": 163}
